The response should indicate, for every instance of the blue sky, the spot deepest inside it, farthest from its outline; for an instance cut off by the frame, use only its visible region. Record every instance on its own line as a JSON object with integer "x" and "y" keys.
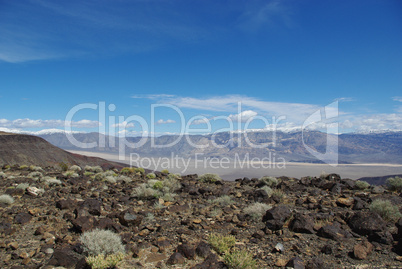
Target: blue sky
{"x": 283, "y": 60}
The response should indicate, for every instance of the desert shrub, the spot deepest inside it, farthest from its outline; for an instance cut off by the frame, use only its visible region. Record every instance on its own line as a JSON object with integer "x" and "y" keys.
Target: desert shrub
{"x": 210, "y": 178}
{"x": 156, "y": 184}
{"x": 269, "y": 181}
{"x": 139, "y": 170}
{"x": 127, "y": 171}
{"x": 151, "y": 175}
{"x": 36, "y": 168}
{"x": 35, "y": 175}
{"x": 149, "y": 217}
{"x": 110, "y": 179}
{"x": 256, "y": 210}
{"x": 22, "y": 186}
{"x": 22, "y": 167}
{"x": 103, "y": 262}
{"x": 75, "y": 168}
{"x": 221, "y": 243}
{"x": 386, "y": 210}
{"x": 143, "y": 191}
{"x": 6, "y": 167}
{"x": 267, "y": 189}
{"x": 240, "y": 259}
{"x": 124, "y": 179}
{"x": 222, "y": 200}
{"x": 70, "y": 174}
{"x": 362, "y": 185}
{"x": 88, "y": 174}
{"x": 171, "y": 183}
{"x": 6, "y": 199}
{"x": 105, "y": 242}
{"x": 3, "y": 175}
{"x": 394, "y": 184}
{"x": 94, "y": 169}
{"x": 168, "y": 197}
{"x": 215, "y": 212}
{"x": 63, "y": 166}
{"x": 323, "y": 175}
{"x": 278, "y": 194}
{"x": 165, "y": 171}
{"x": 52, "y": 181}
{"x": 157, "y": 205}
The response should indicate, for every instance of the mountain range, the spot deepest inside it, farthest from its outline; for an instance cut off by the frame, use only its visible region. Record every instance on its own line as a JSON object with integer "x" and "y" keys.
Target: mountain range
{"x": 352, "y": 147}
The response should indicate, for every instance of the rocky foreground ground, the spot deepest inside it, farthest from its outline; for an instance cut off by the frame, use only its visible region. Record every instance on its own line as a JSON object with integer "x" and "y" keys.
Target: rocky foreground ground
{"x": 166, "y": 221}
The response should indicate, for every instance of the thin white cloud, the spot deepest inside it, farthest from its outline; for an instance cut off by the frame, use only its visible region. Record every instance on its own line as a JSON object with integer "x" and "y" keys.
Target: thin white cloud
{"x": 232, "y": 103}
{"x": 30, "y": 123}
{"x": 397, "y": 98}
{"x": 161, "y": 121}
{"x": 41, "y": 132}
{"x": 243, "y": 116}
{"x": 124, "y": 125}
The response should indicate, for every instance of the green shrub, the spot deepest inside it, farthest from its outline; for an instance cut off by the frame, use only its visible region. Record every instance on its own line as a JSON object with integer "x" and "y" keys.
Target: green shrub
{"x": 240, "y": 259}
{"x": 143, "y": 191}
{"x": 386, "y": 210}
{"x": 75, "y": 168}
{"x": 105, "y": 242}
{"x": 52, "y": 181}
{"x": 171, "y": 184}
{"x": 63, "y": 166}
{"x": 127, "y": 171}
{"x": 221, "y": 243}
{"x": 88, "y": 174}
{"x": 22, "y": 167}
{"x": 3, "y": 175}
{"x": 362, "y": 185}
{"x": 140, "y": 170}
{"x": 35, "y": 175}
{"x": 158, "y": 185}
{"x": 256, "y": 210}
{"x": 278, "y": 194}
{"x": 210, "y": 178}
{"x": 6, "y": 199}
{"x": 165, "y": 171}
{"x": 222, "y": 200}
{"x": 124, "y": 179}
{"x": 6, "y": 167}
{"x": 22, "y": 186}
{"x": 269, "y": 181}
{"x": 102, "y": 262}
{"x": 268, "y": 190}
{"x": 394, "y": 184}
{"x": 94, "y": 169}
{"x": 151, "y": 175}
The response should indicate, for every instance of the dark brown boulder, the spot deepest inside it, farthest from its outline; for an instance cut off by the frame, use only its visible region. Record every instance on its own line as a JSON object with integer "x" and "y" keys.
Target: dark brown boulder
{"x": 302, "y": 224}
{"x": 366, "y": 223}
{"x": 130, "y": 218}
{"x": 276, "y": 217}
{"x": 22, "y": 218}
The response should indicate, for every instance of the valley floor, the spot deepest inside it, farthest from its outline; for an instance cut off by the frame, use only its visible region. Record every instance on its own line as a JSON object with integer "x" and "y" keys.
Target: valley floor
{"x": 234, "y": 170}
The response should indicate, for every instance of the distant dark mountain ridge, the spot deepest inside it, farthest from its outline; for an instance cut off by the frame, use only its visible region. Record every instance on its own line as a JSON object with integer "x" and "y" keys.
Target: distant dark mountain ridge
{"x": 352, "y": 148}
{"x": 32, "y": 150}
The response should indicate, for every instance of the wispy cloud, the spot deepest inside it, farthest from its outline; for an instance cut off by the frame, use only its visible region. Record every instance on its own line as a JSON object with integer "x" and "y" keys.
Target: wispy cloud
{"x": 232, "y": 103}
{"x": 161, "y": 121}
{"x": 397, "y": 98}
{"x": 30, "y": 123}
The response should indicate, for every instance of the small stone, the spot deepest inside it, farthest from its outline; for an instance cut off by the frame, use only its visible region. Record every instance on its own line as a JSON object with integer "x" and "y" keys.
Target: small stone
{"x": 238, "y": 194}
{"x": 345, "y": 202}
{"x": 155, "y": 257}
{"x": 197, "y": 221}
{"x": 398, "y": 258}
{"x": 22, "y": 218}
{"x": 24, "y": 255}
{"x": 203, "y": 249}
{"x": 362, "y": 250}
{"x": 26, "y": 261}
{"x": 176, "y": 258}
{"x": 187, "y": 251}
{"x": 279, "y": 248}
{"x": 49, "y": 251}
{"x": 13, "y": 245}
{"x": 144, "y": 232}
{"x": 33, "y": 191}
{"x": 281, "y": 262}
{"x": 296, "y": 263}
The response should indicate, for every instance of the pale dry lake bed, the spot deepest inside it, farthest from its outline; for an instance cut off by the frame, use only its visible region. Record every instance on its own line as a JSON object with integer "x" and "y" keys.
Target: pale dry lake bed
{"x": 234, "y": 170}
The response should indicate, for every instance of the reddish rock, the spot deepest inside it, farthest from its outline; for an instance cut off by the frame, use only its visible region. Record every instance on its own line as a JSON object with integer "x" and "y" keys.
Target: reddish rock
{"x": 362, "y": 250}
